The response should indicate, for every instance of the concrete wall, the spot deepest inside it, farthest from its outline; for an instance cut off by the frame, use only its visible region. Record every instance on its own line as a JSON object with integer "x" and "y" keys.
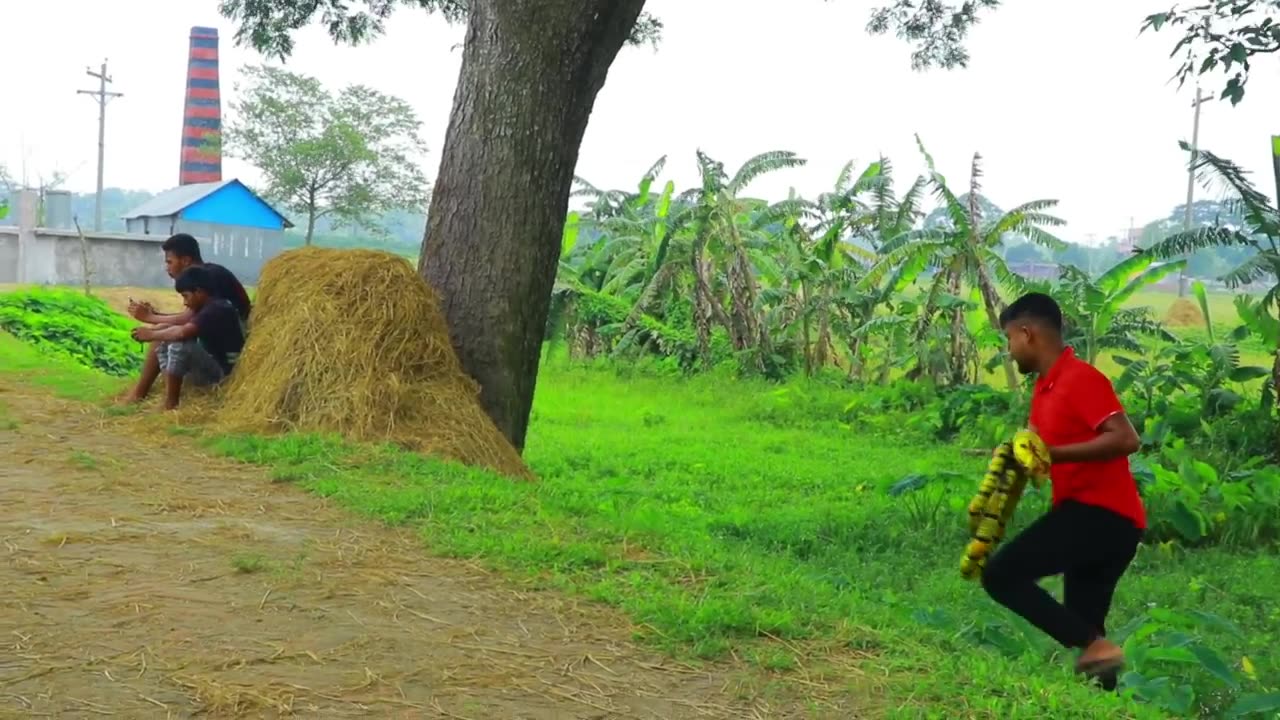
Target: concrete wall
{"x": 54, "y": 257}
{"x": 32, "y": 255}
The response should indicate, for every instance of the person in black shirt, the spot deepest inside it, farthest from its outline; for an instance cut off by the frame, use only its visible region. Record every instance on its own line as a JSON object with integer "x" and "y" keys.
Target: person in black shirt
{"x": 181, "y": 252}
{"x": 204, "y": 349}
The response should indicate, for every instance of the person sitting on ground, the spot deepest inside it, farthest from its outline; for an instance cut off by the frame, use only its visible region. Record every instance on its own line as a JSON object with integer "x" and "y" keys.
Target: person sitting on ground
{"x": 182, "y": 251}
{"x": 204, "y": 349}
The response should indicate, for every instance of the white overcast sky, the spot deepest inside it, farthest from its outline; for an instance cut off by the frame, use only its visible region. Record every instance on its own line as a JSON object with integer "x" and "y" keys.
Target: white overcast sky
{"x": 1063, "y": 99}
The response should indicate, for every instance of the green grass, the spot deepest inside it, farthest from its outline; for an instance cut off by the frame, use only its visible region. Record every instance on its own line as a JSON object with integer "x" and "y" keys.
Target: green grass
{"x": 733, "y": 516}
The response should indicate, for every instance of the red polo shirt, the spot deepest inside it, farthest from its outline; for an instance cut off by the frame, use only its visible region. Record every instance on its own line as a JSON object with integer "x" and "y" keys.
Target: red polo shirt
{"x": 1069, "y": 404}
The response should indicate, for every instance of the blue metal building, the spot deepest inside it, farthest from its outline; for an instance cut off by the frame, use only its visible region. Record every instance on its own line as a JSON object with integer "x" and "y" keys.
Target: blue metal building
{"x": 236, "y": 228}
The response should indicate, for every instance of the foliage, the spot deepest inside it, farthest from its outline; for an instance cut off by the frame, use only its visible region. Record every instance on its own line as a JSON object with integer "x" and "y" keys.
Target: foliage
{"x": 69, "y": 324}
{"x": 1098, "y": 313}
{"x": 1259, "y": 231}
{"x": 1221, "y": 35}
{"x": 352, "y": 156}
{"x": 939, "y": 29}
{"x": 268, "y": 26}
{"x": 961, "y": 250}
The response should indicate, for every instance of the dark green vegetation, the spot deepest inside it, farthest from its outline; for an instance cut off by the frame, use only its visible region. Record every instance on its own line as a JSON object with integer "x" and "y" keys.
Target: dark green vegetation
{"x": 813, "y": 523}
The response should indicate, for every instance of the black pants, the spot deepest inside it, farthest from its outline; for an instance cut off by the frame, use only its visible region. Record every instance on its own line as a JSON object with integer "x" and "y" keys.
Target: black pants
{"x": 1091, "y": 547}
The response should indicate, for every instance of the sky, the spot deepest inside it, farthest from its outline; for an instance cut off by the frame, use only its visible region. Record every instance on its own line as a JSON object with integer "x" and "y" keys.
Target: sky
{"x": 1064, "y": 100}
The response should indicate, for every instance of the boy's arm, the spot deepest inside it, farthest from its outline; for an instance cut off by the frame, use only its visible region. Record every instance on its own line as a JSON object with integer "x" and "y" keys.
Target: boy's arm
{"x": 178, "y": 318}
{"x": 1116, "y": 438}
{"x": 167, "y": 333}
{"x": 1094, "y": 401}
{"x": 144, "y": 312}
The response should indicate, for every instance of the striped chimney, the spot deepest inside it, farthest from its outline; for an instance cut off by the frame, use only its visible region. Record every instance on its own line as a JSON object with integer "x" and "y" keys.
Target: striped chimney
{"x": 202, "y": 114}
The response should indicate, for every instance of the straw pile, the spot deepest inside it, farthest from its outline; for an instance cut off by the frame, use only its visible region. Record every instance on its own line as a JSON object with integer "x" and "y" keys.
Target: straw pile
{"x": 1183, "y": 313}
{"x": 354, "y": 342}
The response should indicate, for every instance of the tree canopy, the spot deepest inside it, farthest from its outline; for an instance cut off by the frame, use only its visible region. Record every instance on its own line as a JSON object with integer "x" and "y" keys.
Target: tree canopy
{"x": 268, "y": 25}
{"x": 349, "y": 157}
{"x": 1217, "y": 35}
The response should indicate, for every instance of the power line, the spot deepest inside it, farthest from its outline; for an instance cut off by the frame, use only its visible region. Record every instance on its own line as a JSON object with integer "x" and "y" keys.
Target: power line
{"x": 103, "y": 98}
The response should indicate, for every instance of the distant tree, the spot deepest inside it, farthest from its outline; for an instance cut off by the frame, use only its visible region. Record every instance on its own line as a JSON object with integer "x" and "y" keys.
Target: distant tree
{"x": 1026, "y": 253}
{"x": 349, "y": 157}
{"x": 1221, "y": 35}
{"x": 5, "y": 185}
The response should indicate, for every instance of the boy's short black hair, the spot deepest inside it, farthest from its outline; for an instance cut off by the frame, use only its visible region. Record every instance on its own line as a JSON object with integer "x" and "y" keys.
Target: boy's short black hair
{"x": 1033, "y": 306}
{"x": 193, "y": 279}
{"x": 183, "y": 245}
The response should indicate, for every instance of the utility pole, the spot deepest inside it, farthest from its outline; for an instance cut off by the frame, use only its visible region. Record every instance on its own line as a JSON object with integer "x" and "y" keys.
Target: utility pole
{"x": 1191, "y": 179}
{"x": 103, "y": 98}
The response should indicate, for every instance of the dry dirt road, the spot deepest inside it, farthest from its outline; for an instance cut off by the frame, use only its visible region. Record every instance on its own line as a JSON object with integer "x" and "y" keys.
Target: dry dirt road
{"x": 145, "y": 582}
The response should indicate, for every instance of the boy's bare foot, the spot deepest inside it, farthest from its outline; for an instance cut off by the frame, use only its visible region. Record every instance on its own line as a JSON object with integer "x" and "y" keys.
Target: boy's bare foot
{"x": 129, "y": 397}
{"x": 1102, "y": 656}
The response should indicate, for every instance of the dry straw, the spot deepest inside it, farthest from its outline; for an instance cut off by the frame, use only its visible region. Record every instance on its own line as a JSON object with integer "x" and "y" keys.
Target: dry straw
{"x": 354, "y": 342}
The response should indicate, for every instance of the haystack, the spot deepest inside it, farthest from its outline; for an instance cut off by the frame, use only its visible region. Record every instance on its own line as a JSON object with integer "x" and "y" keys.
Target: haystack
{"x": 354, "y": 342}
{"x": 1183, "y": 313}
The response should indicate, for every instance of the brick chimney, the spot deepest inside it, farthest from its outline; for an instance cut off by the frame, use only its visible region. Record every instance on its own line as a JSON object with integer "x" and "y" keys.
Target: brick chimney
{"x": 202, "y": 113}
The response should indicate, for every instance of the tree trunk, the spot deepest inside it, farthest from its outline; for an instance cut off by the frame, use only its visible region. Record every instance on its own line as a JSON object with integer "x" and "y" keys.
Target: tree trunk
{"x": 1275, "y": 379}
{"x": 804, "y": 316}
{"x": 958, "y": 330}
{"x": 824, "y": 353}
{"x": 702, "y": 299}
{"x": 855, "y": 359}
{"x": 531, "y": 70}
{"x": 991, "y": 301}
{"x": 311, "y": 225}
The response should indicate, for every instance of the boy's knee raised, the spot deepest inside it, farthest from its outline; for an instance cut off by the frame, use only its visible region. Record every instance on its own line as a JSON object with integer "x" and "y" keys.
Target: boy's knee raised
{"x": 995, "y": 579}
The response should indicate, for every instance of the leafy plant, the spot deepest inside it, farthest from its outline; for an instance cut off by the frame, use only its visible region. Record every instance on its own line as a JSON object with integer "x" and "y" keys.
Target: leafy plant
{"x": 72, "y": 325}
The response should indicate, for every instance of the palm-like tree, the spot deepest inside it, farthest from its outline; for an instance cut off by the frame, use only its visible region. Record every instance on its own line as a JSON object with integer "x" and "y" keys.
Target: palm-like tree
{"x": 964, "y": 250}
{"x": 1095, "y": 311}
{"x": 1260, "y": 233}
{"x": 727, "y": 230}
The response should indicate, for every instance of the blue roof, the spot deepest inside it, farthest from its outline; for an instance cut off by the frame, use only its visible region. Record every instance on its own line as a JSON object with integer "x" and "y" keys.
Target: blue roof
{"x": 228, "y": 202}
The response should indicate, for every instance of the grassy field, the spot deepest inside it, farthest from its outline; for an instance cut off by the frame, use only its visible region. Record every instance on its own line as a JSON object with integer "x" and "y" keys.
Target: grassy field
{"x": 735, "y": 517}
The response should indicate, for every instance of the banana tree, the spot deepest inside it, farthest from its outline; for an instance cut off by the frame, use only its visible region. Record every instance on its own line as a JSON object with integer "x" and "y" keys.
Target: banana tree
{"x": 1096, "y": 316}
{"x": 965, "y": 250}
{"x": 726, "y": 227}
{"x": 1260, "y": 233}
{"x": 856, "y": 220}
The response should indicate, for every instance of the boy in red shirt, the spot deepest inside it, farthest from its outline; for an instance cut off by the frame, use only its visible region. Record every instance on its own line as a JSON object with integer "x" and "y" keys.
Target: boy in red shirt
{"x": 1092, "y": 532}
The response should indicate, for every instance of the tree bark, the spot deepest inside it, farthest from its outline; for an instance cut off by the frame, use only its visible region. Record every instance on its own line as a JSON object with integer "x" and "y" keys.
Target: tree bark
{"x": 531, "y": 70}
{"x": 958, "y": 329}
{"x": 993, "y": 305}
{"x": 311, "y": 215}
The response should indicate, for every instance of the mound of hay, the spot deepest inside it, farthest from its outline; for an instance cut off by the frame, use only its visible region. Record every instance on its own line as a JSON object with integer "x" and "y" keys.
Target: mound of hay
{"x": 354, "y": 342}
{"x": 1183, "y": 313}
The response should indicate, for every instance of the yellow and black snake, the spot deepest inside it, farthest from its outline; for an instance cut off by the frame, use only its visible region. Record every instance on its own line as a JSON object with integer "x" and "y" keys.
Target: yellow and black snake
{"x": 1014, "y": 463}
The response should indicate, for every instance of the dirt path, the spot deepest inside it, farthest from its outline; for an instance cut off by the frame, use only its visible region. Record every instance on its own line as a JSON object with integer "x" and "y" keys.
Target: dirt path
{"x": 141, "y": 585}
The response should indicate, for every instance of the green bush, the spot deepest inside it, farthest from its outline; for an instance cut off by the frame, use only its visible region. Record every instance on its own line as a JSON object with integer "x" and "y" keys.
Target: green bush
{"x": 67, "y": 323}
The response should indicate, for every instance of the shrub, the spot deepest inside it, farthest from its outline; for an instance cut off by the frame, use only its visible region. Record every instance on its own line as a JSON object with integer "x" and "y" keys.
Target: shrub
{"x": 67, "y": 323}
